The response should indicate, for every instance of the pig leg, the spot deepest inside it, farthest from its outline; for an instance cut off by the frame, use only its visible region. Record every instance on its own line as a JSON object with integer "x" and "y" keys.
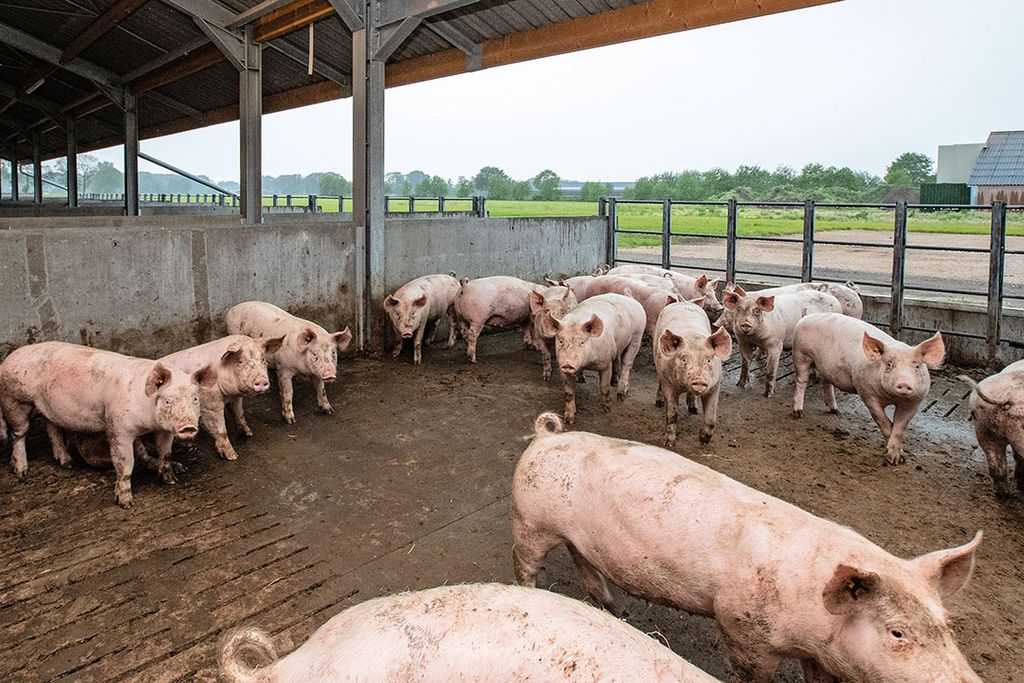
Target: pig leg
{"x": 829, "y": 393}
{"x": 745, "y": 354}
{"x": 691, "y": 405}
{"x": 321, "y": 396}
{"x": 417, "y": 345}
{"x": 750, "y": 662}
{"x": 671, "y": 413}
{"x": 451, "y": 327}
{"x": 569, "y": 391}
{"x": 605, "y": 378}
{"x": 593, "y": 580}
{"x": 995, "y": 455}
{"x": 472, "y": 334}
{"x": 659, "y": 397}
{"x": 1017, "y": 449}
{"x": 213, "y": 422}
{"x": 813, "y": 673}
{"x": 284, "y": 385}
{"x": 771, "y": 369}
{"x": 710, "y": 404}
{"x": 627, "y": 365}
{"x": 802, "y": 365}
{"x": 429, "y": 332}
{"x": 397, "y": 351}
{"x": 545, "y": 355}
{"x": 60, "y": 448}
{"x": 877, "y": 411}
{"x": 122, "y": 456}
{"x": 17, "y": 416}
{"x": 529, "y": 548}
{"x": 164, "y": 441}
{"x": 901, "y": 417}
{"x": 237, "y": 406}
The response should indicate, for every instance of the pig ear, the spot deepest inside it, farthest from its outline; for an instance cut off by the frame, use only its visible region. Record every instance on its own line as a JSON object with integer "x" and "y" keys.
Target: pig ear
{"x": 536, "y": 301}
{"x": 671, "y": 299}
{"x": 233, "y": 351}
{"x": 714, "y": 283}
{"x": 730, "y": 299}
{"x": 421, "y": 302}
{"x": 721, "y": 343}
{"x": 739, "y": 290}
{"x": 158, "y": 377}
{"x": 594, "y": 327}
{"x": 550, "y": 324}
{"x": 306, "y": 337}
{"x": 766, "y": 302}
{"x": 390, "y": 301}
{"x": 932, "y": 350}
{"x": 873, "y": 348}
{"x": 552, "y": 283}
{"x": 568, "y": 291}
{"x": 670, "y": 342}
{"x": 699, "y": 301}
{"x": 701, "y": 282}
{"x": 949, "y": 570}
{"x": 848, "y": 589}
{"x": 342, "y": 338}
{"x": 205, "y": 376}
{"x": 273, "y": 345}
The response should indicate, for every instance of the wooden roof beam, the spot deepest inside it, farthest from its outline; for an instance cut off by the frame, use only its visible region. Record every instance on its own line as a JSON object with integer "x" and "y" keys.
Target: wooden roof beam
{"x": 293, "y": 16}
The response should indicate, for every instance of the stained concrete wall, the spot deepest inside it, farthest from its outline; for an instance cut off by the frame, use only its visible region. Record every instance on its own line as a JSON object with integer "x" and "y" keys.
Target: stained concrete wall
{"x": 156, "y": 287}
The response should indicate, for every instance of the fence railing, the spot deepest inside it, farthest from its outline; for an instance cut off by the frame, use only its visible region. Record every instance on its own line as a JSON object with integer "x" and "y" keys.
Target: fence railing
{"x": 897, "y": 286}
{"x": 313, "y": 203}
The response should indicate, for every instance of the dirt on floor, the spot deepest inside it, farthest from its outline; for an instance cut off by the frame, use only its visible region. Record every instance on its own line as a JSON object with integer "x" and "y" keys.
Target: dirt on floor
{"x": 407, "y": 487}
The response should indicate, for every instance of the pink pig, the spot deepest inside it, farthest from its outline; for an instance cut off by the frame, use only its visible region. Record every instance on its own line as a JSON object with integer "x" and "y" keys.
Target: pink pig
{"x": 780, "y": 582}
{"x": 997, "y": 405}
{"x": 556, "y": 301}
{"x": 81, "y": 389}
{"x": 468, "y": 633}
{"x": 857, "y": 357}
{"x": 497, "y": 301}
{"x": 653, "y": 299}
{"x": 308, "y": 349}
{"x": 687, "y": 286}
{"x": 417, "y": 306}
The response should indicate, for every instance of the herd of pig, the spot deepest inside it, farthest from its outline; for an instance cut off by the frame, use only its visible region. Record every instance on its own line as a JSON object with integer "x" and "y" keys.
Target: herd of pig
{"x": 780, "y": 582}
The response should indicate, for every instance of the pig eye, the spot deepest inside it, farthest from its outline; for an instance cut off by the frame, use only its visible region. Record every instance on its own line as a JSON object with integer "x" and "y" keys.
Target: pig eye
{"x": 896, "y": 633}
{"x": 195, "y": 399}
{"x": 888, "y": 365}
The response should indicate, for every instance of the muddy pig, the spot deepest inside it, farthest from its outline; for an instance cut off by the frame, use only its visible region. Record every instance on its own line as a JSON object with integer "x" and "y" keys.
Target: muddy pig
{"x": 417, "y": 306}
{"x": 780, "y": 582}
{"x": 857, "y": 357}
{"x": 653, "y": 299}
{"x": 81, "y": 389}
{"x": 687, "y": 286}
{"x": 579, "y": 284}
{"x": 688, "y": 358}
{"x": 768, "y": 323}
{"x": 557, "y": 301}
{"x": 470, "y": 633}
{"x": 846, "y": 294}
{"x": 498, "y": 301}
{"x": 602, "y": 333}
{"x": 308, "y": 349}
{"x": 997, "y": 406}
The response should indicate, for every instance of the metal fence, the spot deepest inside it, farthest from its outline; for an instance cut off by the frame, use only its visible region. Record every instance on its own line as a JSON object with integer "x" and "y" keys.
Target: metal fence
{"x": 477, "y": 206}
{"x": 897, "y": 286}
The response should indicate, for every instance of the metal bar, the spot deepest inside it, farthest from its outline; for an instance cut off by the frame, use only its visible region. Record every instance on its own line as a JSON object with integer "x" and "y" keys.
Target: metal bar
{"x": 899, "y": 262}
{"x": 184, "y": 174}
{"x": 397, "y": 10}
{"x": 996, "y": 265}
{"x": 966, "y": 250}
{"x": 250, "y": 108}
{"x": 37, "y": 170}
{"x": 72, "y": 164}
{"x": 612, "y": 248}
{"x": 602, "y": 206}
{"x": 666, "y": 234}
{"x": 254, "y": 13}
{"x": 14, "y": 179}
{"x": 807, "y": 260}
{"x": 131, "y": 153}
{"x": 700, "y": 234}
{"x": 730, "y": 245}
{"x": 752, "y": 238}
{"x": 844, "y": 243}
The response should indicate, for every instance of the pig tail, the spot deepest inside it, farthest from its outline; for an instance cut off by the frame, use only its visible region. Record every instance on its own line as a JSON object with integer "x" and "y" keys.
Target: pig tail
{"x": 547, "y": 423}
{"x": 250, "y": 643}
{"x": 974, "y": 386}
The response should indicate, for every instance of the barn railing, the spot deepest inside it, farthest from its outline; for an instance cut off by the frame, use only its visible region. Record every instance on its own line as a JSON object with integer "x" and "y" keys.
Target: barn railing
{"x": 312, "y": 203}
{"x": 897, "y": 286}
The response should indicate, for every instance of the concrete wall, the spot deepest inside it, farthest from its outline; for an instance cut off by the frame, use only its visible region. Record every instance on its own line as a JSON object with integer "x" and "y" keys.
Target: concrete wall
{"x": 957, "y": 161}
{"x": 529, "y": 248}
{"x": 156, "y": 287}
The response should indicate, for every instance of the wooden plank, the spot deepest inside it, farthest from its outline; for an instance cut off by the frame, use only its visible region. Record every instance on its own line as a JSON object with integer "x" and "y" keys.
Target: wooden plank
{"x": 119, "y": 12}
{"x": 291, "y": 17}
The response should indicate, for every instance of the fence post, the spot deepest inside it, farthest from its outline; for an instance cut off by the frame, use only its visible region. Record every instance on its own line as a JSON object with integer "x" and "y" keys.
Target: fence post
{"x": 412, "y": 204}
{"x": 613, "y": 228}
{"x": 807, "y": 264}
{"x": 666, "y": 234}
{"x": 899, "y": 263}
{"x": 288, "y": 200}
{"x": 602, "y": 206}
{"x": 996, "y": 267}
{"x": 730, "y": 241}
{"x": 440, "y": 204}
{"x": 312, "y": 203}
{"x": 341, "y": 203}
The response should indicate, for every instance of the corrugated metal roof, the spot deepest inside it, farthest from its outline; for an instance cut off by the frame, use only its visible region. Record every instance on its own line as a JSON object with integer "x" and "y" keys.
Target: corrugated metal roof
{"x": 1001, "y": 161}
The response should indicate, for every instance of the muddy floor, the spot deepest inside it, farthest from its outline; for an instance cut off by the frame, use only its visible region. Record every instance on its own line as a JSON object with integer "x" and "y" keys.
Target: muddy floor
{"x": 406, "y": 487}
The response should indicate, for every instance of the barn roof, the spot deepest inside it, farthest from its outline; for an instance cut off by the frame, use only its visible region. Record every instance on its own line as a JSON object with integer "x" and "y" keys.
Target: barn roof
{"x": 1001, "y": 160}
{"x": 68, "y": 59}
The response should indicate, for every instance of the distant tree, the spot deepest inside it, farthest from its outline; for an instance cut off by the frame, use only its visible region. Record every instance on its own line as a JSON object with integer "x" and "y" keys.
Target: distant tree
{"x": 546, "y": 185}
{"x": 334, "y": 184}
{"x": 912, "y": 166}
{"x": 433, "y": 186}
{"x": 591, "y": 191}
{"x": 87, "y": 165}
{"x": 396, "y": 184}
{"x": 518, "y": 190}
{"x": 106, "y": 178}
{"x": 463, "y": 187}
{"x": 491, "y": 181}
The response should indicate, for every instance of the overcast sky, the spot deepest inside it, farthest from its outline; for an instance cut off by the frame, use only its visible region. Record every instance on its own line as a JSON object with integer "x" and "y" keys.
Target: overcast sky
{"x": 854, "y": 83}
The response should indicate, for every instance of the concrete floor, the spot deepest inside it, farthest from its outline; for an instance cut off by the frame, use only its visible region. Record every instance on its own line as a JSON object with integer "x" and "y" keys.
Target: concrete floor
{"x": 406, "y": 487}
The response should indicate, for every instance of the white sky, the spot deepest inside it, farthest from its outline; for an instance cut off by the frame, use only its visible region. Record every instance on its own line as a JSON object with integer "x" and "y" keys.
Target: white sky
{"x": 854, "y": 83}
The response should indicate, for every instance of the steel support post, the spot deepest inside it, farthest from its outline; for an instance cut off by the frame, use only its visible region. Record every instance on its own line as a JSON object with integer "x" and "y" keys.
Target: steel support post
{"x": 37, "y": 170}
{"x": 996, "y": 271}
{"x": 72, "y": 163}
{"x": 131, "y": 153}
{"x": 250, "y": 89}
{"x": 666, "y": 234}
{"x": 899, "y": 265}
{"x": 807, "y": 263}
{"x": 15, "y": 180}
{"x": 368, "y": 201}
{"x": 730, "y": 241}
{"x": 612, "y": 250}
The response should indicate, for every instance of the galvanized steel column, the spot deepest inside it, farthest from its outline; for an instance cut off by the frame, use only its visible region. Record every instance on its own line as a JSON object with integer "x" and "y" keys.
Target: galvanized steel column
{"x": 368, "y": 203}
{"x": 996, "y": 270}
{"x": 807, "y": 263}
{"x": 14, "y": 177}
{"x": 37, "y": 170}
{"x": 666, "y": 234}
{"x": 250, "y": 90}
{"x": 72, "y": 163}
{"x": 131, "y": 153}
{"x": 899, "y": 267}
{"x": 730, "y": 241}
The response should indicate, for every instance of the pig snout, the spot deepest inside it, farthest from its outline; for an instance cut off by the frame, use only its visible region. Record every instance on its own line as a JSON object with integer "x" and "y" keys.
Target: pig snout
{"x": 329, "y": 379}
{"x": 904, "y": 388}
{"x": 745, "y": 327}
{"x": 406, "y": 335}
{"x": 187, "y": 432}
{"x": 567, "y": 368}
{"x": 698, "y": 386}
{"x": 261, "y": 385}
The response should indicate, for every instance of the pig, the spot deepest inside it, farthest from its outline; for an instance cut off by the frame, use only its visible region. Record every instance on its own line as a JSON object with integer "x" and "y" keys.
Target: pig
{"x": 997, "y": 406}
{"x": 847, "y": 295}
{"x": 781, "y": 582}
{"x": 498, "y": 301}
{"x": 602, "y": 333}
{"x": 308, "y": 349}
{"x": 653, "y": 299}
{"x": 472, "y": 632}
{"x": 579, "y": 284}
{"x": 81, "y": 389}
{"x": 419, "y": 304}
{"x": 768, "y": 323}
{"x": 687, "y": 286}
{"x": 688, "y": 359}
{"x": 556, "y": 301}
{"x": 857, "y": 357}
